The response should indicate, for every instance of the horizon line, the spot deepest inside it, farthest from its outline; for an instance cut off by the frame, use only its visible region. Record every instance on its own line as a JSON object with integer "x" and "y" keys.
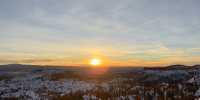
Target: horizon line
{"x": 111, "y": 66}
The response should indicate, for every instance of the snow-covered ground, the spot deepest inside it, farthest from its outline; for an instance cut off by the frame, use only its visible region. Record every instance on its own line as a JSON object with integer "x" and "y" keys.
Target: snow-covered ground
{"x": 45, "y": 84}
{"x": 30, "y": 86}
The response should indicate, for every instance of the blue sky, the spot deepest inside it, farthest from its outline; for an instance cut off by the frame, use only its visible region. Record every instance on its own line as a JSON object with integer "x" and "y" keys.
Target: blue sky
{"x": 123, "y": 32}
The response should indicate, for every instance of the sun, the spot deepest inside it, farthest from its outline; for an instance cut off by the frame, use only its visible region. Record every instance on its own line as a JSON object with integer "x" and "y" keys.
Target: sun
{"x": 95, "y": 62}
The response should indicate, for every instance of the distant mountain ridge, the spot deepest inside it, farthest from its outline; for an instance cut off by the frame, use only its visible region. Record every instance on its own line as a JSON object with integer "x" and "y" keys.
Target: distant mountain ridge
{"x": 170, "y": 67}
{"x": 175, "y": 67}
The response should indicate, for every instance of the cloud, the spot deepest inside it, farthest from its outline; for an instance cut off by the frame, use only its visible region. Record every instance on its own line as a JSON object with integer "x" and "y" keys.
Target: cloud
{"x": 123, "y": 29}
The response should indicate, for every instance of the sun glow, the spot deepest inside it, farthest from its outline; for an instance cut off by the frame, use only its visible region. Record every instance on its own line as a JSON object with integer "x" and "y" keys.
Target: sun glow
{"x": 95, "y": 62}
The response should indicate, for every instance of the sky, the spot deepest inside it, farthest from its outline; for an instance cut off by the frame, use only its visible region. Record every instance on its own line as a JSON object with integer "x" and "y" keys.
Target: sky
{"x": 119, "y": 32}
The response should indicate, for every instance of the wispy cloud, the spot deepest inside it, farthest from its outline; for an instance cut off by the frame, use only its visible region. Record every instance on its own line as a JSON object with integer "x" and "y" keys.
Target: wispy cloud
{"x": 129, "y": 31}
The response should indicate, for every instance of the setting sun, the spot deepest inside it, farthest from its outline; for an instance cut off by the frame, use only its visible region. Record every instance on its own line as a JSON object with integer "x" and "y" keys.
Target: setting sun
{"x": 95, "y": 62}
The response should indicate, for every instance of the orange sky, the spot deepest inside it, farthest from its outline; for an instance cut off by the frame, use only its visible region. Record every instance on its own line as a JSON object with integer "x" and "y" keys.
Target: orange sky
{"x": 124, "y": 33}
